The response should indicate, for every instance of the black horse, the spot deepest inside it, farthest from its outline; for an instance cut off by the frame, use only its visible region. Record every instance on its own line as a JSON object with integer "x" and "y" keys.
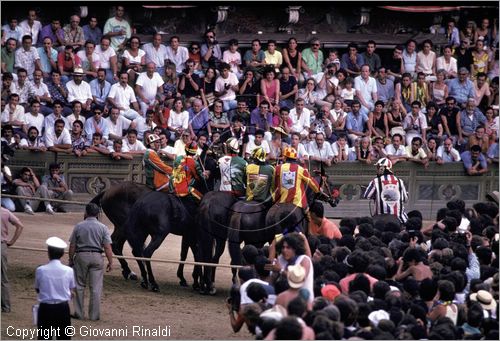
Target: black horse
{"x": 117, "y": 203}
{"x": 157, "y": 214}
{"x": 213, "y": 219}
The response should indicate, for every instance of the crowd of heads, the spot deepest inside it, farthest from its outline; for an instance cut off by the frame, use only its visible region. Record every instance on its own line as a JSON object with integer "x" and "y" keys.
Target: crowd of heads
{"x": 380, "y": 280}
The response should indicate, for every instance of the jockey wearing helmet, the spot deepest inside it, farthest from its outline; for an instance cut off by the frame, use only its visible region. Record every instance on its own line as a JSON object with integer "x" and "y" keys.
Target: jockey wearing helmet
{"x": 157, "y": 172}
{"x": 291, "y": 179}
{"x": 186, "y": 172}
{"x": 233, "y": 170}
{"x": 260, "y": 176}
{"x": 387, "y": 191}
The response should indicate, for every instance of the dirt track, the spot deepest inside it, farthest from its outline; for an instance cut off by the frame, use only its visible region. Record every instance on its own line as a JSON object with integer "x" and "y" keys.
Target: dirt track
{"x": 124, "y": 303}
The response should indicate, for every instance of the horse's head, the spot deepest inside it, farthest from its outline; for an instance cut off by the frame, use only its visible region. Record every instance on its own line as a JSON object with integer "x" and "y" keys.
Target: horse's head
{"x": 329, "y": 193}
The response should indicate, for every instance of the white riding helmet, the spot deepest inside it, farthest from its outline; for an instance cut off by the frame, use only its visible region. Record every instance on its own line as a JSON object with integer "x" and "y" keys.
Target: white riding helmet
{"x": 152, "y": 138}
{"x": 233, "y": 144}
{"x": 384, "y": 163}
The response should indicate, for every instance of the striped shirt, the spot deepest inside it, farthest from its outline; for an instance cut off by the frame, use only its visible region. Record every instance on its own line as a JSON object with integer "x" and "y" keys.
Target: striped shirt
{"x": 389, "y": 194}
{"x": 290, "y": 182}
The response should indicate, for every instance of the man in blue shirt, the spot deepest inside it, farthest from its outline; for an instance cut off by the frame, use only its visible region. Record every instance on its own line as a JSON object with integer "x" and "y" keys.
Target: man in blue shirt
{"x": 356, "y": 122}
{"x": 474, "y": 162}
{"x": 198, "y": 119}
{"x": 92, "y": 32}
{"x": 461, "y": 88}
{"x": 100, "y": 88}
{"x": 470, "y": 118}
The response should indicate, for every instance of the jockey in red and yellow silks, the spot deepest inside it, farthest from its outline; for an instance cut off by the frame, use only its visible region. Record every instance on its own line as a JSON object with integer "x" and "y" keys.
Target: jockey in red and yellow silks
{"x": 186, "y": 172}
{"x": 291, "y": 180}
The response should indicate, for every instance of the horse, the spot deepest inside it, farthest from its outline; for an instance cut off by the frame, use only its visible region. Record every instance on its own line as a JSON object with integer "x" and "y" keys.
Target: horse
{"x": 213, "y": 218}
{"x": 116, "y": 203}
{"x": 157, "y": 214}
{"x": 255, "y": 223}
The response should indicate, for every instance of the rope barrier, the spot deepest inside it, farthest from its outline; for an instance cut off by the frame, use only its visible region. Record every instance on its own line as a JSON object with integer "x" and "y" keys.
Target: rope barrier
{"x": 169, "y": 261}
{"x": 43, "y": 199}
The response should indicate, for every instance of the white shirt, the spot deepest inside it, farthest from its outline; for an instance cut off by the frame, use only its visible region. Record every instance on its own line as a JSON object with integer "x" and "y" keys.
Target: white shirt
{"x": 122, "y": 123}
{"x": 441, "y": 64}
{"x": 122, "y": 96}
{"x": 134, "y": 59}
{"x": 219, "y": 86}
{"x": 178, "y": 58}
{"x": 251, "y": 146}
{"x": 96, "y": 59}
{"x": 336, "y": 149}
{"x": 34, "y": 121}
{"x": 51, "y": 139}
{"x": 233, "y": 59}
{"x": 80, "y": 93}
{"x": 142, "y": 126}
{"x": 137, "y": 146}
{"x": 366, "y": 88}
{"x": 302, "y": 122}
{"x": 325, "y": 152}
{"x": 71, "y": 119}
{"x": 17, "y": 115}
{"x": 105, "y": 56}
{"x": 390, "y": 150}
{"x": 301, "y": 151}
{"x": 32, "y": 31}
{"x": 178, "y": 120}
{"x": 149, "y": 85}
{"x": 154, "y": 55}
{"x": 41, "y": 90}
{"x": 452, "y": 156}
{"x": 244, "y": 299}
{"x": 54, "y": 281}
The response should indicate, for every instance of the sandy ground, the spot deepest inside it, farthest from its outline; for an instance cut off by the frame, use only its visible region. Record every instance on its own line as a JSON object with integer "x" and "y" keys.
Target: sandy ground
{"x": 124, "y": 304}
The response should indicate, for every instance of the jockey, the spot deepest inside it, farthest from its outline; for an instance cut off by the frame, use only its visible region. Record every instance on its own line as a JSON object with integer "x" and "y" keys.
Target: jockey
{"x": 290, "y": 181}
{"x": 157, "y": 172}
{"x": 259, "y": 177}
{"x": 186, "y": 171}
{"x": 387, "y": 191}
{"x": 233, "y": 170}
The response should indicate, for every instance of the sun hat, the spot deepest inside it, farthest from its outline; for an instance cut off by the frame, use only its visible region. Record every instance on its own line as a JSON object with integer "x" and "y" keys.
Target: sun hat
{"x": 296, "y": 276}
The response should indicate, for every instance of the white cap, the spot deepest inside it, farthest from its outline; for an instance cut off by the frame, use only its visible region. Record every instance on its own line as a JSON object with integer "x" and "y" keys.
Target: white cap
{"x": 56, "y": 242}
{"x": 376, "y": 316}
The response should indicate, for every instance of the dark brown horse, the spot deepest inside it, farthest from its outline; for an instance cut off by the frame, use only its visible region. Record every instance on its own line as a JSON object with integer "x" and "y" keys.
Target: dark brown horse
{"x": 117, "y": 203}
{"x": 157, "y": 214}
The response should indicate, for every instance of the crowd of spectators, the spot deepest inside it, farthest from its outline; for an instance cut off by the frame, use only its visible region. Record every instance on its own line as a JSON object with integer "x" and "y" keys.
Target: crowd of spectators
{"x": 375, "y": 280}
{"x": 79, "y": 89}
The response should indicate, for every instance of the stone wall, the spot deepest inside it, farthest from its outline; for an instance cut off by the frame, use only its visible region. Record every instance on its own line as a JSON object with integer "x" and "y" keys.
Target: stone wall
{"x": 429, "y": 189}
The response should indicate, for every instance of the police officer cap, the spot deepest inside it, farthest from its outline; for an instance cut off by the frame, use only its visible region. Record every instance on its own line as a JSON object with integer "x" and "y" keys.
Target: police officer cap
{"x": 56, "y": 242}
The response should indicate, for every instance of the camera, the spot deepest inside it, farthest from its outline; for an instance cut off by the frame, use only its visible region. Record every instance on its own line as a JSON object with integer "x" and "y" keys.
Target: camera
{"x": 227, "y": 86}
{"x": 320, "y": 115}
{"x": 412, "y": 233}
{"x": 415, "y": 127}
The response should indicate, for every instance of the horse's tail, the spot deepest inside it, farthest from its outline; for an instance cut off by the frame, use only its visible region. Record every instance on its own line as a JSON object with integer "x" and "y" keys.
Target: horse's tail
{"x": 97, "y": 199}
{"x": 233, "y": 238}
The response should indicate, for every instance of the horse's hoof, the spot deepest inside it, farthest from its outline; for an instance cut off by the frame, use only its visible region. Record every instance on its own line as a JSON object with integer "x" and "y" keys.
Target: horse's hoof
{"x": 203, "y": 291}
{"x": 183, "y": 283}
{"x": 132, "y": 276}
{"x": 155, "y": 288}
{"x": 212, "y": 291}
{"x": 144, "y": 284}
{"x": 125, "y": 275}
{"x": 196, "y": 286}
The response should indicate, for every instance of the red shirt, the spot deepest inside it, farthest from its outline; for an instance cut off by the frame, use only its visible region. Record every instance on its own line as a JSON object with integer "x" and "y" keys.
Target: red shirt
{"x": 327, "y": 228}
{"x": 68, "y": 65}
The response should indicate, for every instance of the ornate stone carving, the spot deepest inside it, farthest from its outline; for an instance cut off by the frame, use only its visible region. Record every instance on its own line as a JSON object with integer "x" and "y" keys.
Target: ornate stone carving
{"x": 449, "y": 192}
{"x": 97, "y": 184}
{"x": 350, "y": 192}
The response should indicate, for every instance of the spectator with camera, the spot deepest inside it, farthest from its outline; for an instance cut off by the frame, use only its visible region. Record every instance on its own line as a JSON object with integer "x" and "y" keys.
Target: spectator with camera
{"x": 226, "y": 86}
{"x": 211, "y": 53}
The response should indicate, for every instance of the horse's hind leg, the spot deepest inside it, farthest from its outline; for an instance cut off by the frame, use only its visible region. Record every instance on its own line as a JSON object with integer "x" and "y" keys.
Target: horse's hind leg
{"x": 220, "y": 245}
{"x": 117, "y": 247}
{"x": 144, "y": 275}
{"x": 180, "y": 268}
{"x": 154, "y": 244}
